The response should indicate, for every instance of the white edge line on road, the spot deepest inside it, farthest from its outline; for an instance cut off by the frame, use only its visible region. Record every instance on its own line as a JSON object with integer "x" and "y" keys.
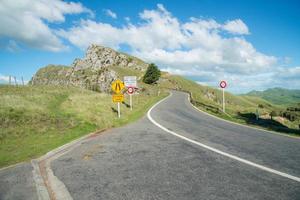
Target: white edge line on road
{"x": 216, "y": 150}
{"x": 235, "y": 123}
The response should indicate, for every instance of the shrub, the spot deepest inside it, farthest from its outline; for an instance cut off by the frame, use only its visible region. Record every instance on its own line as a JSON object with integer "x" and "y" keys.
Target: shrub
{"x": 273, "y": 114}
{"x": 152, "y": 74}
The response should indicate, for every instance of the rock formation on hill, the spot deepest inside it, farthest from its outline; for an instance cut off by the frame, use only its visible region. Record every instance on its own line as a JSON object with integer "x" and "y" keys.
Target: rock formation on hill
{"x": 92, "y": 72}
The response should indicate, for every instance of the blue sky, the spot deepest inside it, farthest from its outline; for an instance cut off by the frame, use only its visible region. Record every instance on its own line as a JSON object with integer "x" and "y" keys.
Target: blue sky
{"x": 251, "y": 44}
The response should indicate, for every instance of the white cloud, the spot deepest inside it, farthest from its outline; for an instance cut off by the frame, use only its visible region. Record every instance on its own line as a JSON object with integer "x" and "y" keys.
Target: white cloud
{"x": 12, "y": 46}
{"x": 196, "y": 47}
{"x": 4, "y": 78}
{"x": 236, "y": 27}
{"x": 110, "y": 13}
{"x": 289, "y": 74}
{"x": 161, "y": 38}
{"x": 26, "y": 21}
{"x": 92, "y": 32}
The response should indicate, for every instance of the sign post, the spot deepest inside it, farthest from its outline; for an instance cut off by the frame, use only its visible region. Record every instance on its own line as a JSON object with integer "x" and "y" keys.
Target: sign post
{"x": 223, "y": 85}
{"x": 119, "y": 111}
{"x": 130, "y": 91}
{"x": 130, "y": 84}
{"x": 117, "y": 86}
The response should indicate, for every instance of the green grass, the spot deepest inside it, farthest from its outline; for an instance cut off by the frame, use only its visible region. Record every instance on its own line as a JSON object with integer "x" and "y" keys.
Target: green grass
{"x": 209, "y": 100}
{"x": 279, "y": 96}
{"x": 37, "y": 119}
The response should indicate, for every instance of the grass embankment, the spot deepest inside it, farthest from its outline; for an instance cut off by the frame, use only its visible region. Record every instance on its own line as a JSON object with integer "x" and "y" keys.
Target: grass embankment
{"x": 37, "y": 119}
{"x": 240, "y": 109}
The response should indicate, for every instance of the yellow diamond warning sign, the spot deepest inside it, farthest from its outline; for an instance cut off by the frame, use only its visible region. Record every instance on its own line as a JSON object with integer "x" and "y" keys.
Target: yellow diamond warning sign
{"x": 117, "y": 86}
{"x": 118, "y": 98}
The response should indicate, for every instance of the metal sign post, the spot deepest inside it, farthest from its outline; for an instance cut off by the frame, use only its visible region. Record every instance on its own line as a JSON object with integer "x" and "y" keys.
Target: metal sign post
{"x": 130, "y": 97}
{"x": 117, "y": 86}
{"x": 130, "y": 91}
{"x": 223, "y": 85}
{"x": 223, "y": 100}
{"x": 15, "y": 81}
{"x": 119, "y": 111}
{"x": 131, "y": 83}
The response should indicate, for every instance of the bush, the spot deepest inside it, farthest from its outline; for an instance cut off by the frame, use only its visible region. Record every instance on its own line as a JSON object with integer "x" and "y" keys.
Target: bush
{"x": 152, "y": 74}
{"x": 273, "y": 114}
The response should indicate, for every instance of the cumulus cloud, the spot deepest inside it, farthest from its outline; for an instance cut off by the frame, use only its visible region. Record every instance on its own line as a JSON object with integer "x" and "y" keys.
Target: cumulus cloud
{"x": 161, "y": 38}
{"x": 26, "y": 21}
{"x": 289, "y": 73}
{"x": 12, "y": 46}
{"x": 4, "y": 78}
{"x": 110, "y": 13}
{"x": 236, "y": 27}
{"x": 196, "y": 47}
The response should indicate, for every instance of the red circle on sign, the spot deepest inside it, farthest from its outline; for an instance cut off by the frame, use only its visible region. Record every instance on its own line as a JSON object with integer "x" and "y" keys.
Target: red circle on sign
{"x": 130, "y": 90}
{"x": 223, "y": 84}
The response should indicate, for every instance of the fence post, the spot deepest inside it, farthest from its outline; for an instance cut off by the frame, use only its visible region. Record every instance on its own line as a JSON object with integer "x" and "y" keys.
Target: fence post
{"x": 15, "y": 81}
{"x": 22, "y": 80}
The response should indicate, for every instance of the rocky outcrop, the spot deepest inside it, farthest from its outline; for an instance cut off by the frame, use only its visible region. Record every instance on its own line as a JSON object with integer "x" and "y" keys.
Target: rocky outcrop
{"x": 92, "y": 72}
{"x": 98, "y": 57}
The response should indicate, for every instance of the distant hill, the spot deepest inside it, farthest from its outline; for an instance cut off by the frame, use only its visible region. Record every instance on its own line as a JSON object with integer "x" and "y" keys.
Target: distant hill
{"x": 279, "y": 96}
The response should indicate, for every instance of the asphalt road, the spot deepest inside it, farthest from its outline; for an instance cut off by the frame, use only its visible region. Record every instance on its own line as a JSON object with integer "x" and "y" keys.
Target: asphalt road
{"x": 142, "y": 161}
{"x": 17, "y": 183}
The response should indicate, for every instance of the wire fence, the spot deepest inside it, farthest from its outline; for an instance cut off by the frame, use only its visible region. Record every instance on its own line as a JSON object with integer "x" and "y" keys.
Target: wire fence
{"x": 13, "y": 80}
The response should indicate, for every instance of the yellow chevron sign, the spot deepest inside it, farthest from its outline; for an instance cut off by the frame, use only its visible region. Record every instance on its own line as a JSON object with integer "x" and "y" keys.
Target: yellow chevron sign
{"x": 117, "y": 86}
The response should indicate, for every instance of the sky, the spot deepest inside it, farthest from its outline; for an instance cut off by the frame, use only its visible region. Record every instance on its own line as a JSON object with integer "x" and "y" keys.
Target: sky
{"x": 252, "y": 44}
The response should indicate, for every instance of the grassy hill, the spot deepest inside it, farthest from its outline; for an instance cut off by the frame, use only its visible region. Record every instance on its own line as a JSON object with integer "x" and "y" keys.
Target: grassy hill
{"x": 37, "y": 119}
{"x": 240, "y": 109}
{"x": 279, "y": 96}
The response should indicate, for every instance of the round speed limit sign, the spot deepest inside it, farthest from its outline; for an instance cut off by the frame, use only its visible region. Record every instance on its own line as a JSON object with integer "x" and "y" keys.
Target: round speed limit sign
{"x": 223, "y": 84}
{"x": 130, "y": 90}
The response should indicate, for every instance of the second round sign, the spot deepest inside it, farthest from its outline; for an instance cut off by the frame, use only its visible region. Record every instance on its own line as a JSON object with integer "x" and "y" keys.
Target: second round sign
{"x": 130, "y": 90}
{"x": 223, "y": 84}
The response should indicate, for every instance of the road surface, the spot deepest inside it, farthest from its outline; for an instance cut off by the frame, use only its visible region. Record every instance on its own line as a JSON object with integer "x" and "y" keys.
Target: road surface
{"x": 143, "y": 161}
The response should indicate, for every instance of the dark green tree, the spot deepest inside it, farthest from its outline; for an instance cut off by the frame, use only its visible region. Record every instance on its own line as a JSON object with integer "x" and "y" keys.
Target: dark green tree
{"x": 152, "y": 74}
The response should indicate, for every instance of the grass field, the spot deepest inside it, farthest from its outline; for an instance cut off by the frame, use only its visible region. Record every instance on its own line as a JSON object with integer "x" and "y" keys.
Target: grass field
{"x": 279, "y": 96}
{"x": 240, "y": 109}
{"x": 37, "y": 119}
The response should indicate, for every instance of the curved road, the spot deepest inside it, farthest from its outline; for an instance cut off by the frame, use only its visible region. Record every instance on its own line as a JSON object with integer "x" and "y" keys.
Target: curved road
{"x": 144, "y": 161}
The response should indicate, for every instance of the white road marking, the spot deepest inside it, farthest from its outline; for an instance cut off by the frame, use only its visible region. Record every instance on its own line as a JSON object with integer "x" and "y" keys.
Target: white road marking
{"x": 216, "y": 150}
{"x": 235, "y": 123}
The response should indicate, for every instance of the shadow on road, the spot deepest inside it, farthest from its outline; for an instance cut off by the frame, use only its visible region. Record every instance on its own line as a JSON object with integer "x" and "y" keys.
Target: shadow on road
{"x": 270, "y": 124}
